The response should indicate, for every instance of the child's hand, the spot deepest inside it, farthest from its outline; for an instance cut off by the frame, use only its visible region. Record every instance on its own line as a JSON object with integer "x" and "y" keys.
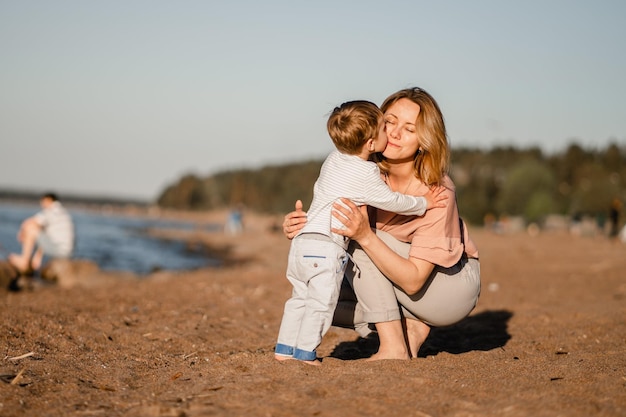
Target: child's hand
{"x": 294, "y": 221}
{"x": 436, "y": 198}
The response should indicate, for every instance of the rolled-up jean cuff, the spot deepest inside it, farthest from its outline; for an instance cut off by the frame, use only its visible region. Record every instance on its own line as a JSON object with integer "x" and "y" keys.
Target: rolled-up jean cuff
{"x": 381, "y": 316}
{"x": 283, "y": 350}
{"x": 304, "y": 355}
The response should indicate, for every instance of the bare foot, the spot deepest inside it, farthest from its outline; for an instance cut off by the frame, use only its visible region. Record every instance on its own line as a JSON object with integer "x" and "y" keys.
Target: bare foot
{"x": 282, "y": 358}
{"x": 19, "y": 262}
{"x": 416, "y": 333}
{"x": 380, "y": 355}
{"x": 392, "y": 343}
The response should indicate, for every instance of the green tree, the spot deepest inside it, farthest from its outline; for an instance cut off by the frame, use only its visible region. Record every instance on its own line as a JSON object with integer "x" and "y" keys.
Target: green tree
{"x": 528, "y": 190}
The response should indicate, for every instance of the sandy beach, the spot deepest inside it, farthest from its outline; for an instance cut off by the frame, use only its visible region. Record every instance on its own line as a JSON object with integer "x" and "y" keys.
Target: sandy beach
{"x": 548, "y": 338}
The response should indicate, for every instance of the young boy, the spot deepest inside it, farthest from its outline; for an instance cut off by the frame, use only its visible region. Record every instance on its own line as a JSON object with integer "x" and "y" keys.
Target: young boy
{"x": 317, "y": 257}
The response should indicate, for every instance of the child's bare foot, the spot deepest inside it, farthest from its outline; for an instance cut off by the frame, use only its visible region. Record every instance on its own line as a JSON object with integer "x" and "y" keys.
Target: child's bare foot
{"x": 282, "y": 358}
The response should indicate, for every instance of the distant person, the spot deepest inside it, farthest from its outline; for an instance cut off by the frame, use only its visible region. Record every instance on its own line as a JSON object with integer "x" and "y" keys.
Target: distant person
{"x": 234, "y": 223}
{"x": 318, "y": 257}
{"x": 50, "y": 232}
{"x": 614, "y": 213}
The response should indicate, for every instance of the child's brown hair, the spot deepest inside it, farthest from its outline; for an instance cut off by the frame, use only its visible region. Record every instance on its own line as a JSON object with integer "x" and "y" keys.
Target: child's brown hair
{"x": 352, "y": 124}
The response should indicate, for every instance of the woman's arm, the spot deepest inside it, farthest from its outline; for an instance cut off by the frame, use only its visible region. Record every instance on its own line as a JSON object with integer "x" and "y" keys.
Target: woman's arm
{"x": 409, "y": 274}
{"x": 294, "y": 221}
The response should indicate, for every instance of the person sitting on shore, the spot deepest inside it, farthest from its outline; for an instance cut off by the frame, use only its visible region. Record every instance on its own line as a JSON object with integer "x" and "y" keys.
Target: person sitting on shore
{"x": 317, "y": 257}
{"x": 50, "y": 232}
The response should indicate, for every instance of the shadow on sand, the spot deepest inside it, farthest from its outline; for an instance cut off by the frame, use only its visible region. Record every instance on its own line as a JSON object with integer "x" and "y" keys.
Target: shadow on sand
{"x": 483, "y": 331}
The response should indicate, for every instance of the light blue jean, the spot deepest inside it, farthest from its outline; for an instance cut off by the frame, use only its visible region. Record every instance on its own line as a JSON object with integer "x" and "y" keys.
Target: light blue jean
{"x": 315, "y": 269}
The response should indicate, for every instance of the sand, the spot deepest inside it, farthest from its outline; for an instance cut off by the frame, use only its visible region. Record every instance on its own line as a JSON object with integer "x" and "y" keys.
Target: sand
{"x": 548, "y": 338}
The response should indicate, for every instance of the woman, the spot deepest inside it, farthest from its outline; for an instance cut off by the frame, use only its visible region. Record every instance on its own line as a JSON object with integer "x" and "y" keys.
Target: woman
{"x": 411, "y": 272}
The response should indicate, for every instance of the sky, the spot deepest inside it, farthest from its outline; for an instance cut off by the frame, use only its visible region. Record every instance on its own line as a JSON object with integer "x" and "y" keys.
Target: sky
{"x": 122, "y": 98}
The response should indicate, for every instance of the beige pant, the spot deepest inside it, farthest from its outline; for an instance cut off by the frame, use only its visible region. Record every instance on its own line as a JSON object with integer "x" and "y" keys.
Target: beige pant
{"x": 447, "y": 297}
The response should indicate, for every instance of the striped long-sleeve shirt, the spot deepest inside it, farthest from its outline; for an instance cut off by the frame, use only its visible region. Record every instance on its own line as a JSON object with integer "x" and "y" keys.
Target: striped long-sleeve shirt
{"x": 351, "y": 177}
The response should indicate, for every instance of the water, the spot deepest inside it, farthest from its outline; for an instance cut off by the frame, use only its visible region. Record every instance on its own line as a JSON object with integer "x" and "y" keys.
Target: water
{"x": 113, "y": 242}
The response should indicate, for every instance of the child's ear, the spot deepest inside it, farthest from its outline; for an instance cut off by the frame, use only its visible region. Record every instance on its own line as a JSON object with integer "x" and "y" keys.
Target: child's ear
{"x": 370, "y": 145}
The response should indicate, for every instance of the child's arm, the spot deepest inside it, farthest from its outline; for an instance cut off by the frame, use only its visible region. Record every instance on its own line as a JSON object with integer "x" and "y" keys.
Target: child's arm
{"x": 379, "y": 195}
{"x": 435, "y": 197}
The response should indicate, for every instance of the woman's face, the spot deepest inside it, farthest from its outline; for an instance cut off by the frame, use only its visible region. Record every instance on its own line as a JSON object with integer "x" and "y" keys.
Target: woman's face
{"x": 402, "y": 140}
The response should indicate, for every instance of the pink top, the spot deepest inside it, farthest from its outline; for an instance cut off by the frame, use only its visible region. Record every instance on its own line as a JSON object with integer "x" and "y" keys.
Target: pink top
{"x": 434, "y": 237}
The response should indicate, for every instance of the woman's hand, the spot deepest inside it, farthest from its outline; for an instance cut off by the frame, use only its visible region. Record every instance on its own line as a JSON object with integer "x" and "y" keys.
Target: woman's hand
{"x": 355, "y": 220}
{"x": 294, "y": 221}
{"x": 409, "y": 274}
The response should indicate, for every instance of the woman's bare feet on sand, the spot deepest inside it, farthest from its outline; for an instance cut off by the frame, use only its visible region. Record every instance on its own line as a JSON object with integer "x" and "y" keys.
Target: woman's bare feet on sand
{"x": 392, "y": 344}
{"x": 416, "y": 333}
{"x": 386, "y": 355}
{"x": 282, "y": 358}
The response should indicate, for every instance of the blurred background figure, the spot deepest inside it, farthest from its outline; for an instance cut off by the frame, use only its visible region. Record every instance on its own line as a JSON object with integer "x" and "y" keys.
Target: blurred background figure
{"x": 50, "y": 233}
{"x": 614, "y": 215}
{"x": 234, "y": 224}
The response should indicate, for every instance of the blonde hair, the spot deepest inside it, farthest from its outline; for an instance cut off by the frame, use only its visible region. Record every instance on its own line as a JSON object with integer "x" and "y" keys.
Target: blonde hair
{"x": 352, "y": 124}
{"x": 432, "y": 160}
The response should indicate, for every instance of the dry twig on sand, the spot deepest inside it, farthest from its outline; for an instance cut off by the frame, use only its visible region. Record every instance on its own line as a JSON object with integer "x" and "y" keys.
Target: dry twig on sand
{"x": 17, "y": 358}
{"x": 17, "y": 377}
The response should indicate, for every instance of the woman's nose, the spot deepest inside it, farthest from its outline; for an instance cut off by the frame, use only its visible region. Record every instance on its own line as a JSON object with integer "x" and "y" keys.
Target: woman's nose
{"x": 393, "y": 131}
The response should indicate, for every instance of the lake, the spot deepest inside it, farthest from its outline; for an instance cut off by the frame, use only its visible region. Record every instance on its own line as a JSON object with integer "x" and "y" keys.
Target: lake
{"x": 113, "y": 242}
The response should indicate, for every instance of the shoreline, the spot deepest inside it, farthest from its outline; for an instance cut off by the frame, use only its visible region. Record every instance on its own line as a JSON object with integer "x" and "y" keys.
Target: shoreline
{"x": 189, "y": 240}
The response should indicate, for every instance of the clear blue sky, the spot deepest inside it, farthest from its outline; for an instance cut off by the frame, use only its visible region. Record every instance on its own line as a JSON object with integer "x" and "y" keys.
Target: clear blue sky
{"x": 121, "y": 98}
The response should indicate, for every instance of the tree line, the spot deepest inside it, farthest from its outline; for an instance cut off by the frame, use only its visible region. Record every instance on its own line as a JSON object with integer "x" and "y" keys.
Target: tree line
{"x": 502, "y": 181}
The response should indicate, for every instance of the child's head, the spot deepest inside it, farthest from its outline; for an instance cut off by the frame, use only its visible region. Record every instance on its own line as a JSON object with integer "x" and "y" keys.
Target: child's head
{"x": 352, "y": 124}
